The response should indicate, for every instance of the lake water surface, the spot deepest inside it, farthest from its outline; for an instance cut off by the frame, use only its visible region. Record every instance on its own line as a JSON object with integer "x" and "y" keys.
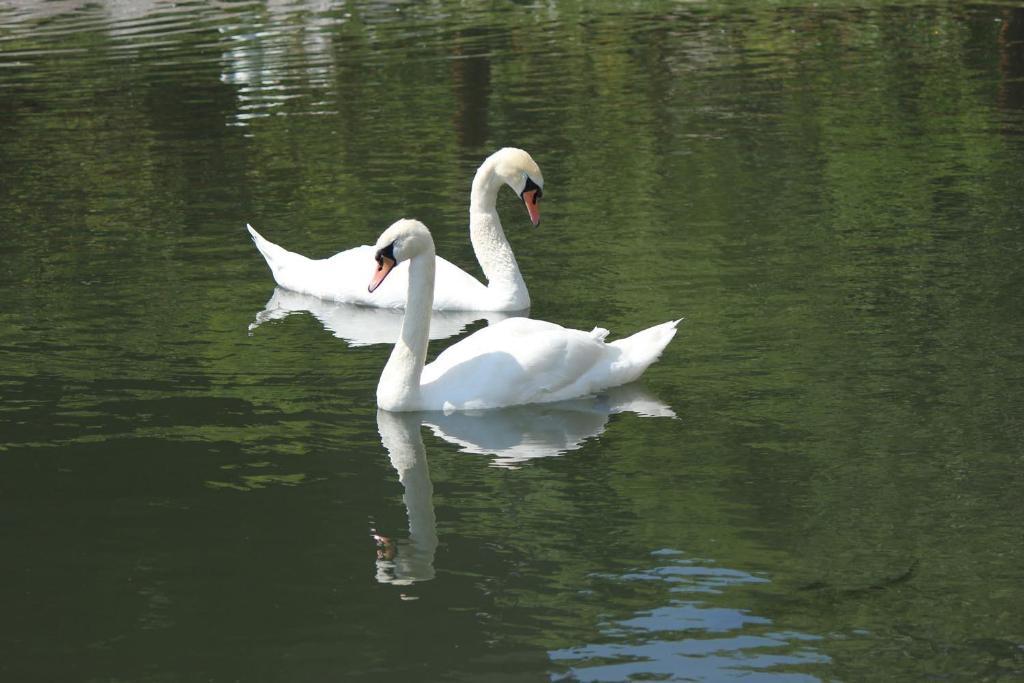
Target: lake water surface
{"x": 822, "y": 479}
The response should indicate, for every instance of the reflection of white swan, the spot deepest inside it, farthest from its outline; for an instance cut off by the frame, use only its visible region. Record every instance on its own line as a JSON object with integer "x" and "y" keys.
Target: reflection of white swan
{"x": 411, "y": 560}
{"x": 514, "y": 435}
{"x": 343, "y": 277}
{"x": 359, "y": 325}
{"x": 514, "y": 362}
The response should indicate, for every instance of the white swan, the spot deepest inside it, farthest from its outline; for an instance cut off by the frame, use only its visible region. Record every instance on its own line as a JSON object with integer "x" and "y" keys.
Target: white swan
{"x": 343, "y": 276}
{"x": 513, "y": 362}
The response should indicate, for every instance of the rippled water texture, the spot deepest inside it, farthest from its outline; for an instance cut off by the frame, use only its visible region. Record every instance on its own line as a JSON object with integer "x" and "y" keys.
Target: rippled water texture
{"x": 820, "y": 480}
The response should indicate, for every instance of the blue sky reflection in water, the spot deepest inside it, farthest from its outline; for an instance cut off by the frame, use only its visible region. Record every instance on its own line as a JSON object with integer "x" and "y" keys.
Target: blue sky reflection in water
{"x": 687, "y": 638}
{"x": 821, "y": 479}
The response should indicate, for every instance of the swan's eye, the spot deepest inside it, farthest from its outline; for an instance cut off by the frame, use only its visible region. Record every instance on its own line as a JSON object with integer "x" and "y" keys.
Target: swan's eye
{"x": 530, "y": 185}
{"x": 387, "y": 252}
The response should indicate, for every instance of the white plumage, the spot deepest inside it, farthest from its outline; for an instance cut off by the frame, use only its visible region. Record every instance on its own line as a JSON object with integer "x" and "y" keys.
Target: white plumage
{"x": 343, "y": 277}
{"x": 513, "y": 362}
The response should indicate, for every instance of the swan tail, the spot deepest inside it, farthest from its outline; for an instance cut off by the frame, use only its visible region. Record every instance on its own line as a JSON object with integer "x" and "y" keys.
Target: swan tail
{"x": 284, "y": 265}
{"x": 639, "y": 351}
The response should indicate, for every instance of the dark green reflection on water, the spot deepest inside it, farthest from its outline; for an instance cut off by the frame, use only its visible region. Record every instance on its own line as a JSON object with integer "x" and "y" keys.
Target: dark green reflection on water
{"x": 830, "y": 195}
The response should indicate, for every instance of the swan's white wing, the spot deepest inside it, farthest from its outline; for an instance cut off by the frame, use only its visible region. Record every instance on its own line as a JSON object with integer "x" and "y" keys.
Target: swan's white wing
{"x": 516, "y": 361}
{"x": 457, "y": 290}
{"x": 345, "y": 276}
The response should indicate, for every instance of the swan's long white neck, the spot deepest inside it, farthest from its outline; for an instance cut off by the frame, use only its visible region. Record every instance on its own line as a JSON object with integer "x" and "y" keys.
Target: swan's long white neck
{"x": 399, "y": 386}
{"x": 504, "y": 281}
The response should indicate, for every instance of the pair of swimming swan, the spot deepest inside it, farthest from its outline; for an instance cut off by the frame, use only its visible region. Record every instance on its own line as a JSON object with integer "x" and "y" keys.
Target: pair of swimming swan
{"x": 513, "y": 362}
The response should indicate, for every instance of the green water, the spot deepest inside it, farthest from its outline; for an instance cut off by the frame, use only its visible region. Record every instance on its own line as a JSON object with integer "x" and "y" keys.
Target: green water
{"x": 831, "y": 195}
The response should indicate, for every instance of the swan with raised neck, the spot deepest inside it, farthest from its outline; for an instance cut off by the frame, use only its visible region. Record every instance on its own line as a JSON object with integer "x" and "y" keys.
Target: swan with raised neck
{"x": 343, "y": 276}
{"x": 513, "y": 362}
{"x": 517, "y": 169}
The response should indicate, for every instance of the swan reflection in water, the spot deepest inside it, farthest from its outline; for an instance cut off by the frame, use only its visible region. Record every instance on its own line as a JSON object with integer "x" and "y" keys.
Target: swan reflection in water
{"x": 411, "y": 560}
{"x": 362, "y": 325}
{"x": 511, "y": 436}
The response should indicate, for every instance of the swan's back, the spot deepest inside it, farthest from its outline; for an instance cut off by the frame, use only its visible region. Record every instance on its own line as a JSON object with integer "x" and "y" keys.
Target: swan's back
{"x": 343, "y": 278}
{"x": 520, "y": 360}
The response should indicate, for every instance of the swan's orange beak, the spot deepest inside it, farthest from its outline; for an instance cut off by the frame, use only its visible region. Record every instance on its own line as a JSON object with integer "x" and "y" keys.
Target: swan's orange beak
{"x": 530, "y": 199}
{"x": 384, "y": 266}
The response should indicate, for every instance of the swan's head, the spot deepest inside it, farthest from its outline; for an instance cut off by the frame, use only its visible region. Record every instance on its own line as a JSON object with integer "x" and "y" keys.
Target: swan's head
{"x": 522, "y": 174}
{"x": 402, "y": 240}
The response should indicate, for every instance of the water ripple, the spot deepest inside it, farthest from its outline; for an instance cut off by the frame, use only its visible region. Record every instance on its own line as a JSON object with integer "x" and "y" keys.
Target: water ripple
{"x": 684, "y": 638}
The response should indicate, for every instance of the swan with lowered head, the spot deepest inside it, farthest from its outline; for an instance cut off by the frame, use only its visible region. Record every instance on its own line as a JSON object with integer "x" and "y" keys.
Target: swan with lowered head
{"x": 513, "y": 362}
{"x": 343, "y": 276}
